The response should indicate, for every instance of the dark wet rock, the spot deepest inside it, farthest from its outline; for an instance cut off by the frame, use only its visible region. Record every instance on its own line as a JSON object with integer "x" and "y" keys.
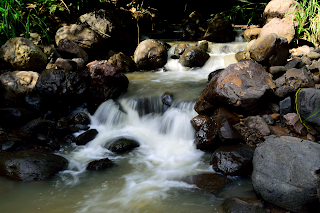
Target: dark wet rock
{"x": 86, "y": 38}
{"x": 22, "y": 54}
{"x": 86, "y": 137}
{"x": 207, "y": 138}
{"x": 277, "y": 70}
{"x": 198, "y": 121}
{"x": 194, "y": 57}
{"x": 101, "y": 164}
{"x": 167, "y": 99}
{"x": 273, "y": 107}
{"x": 63, "y": 127}
{"x": 242, "y": 205}
{"x": 190, "y": 31}
{"x": 236, "y": 87}
{"x": 203, "y": 45}
{"x": 270, "y": 50}
{"x": 66, "y": 65}
{"x": 70, "y": 49}
{"x": 216, "y": 72}
{"x": 233, "y": 160}
{"x": 308, "y": 104}
{"x": 66, "y": 139}
{"x": 123, "y": 145}
{"x": 268, "y": 119}
{"x": 62, "y": 88}
{"x": 284, "y": 91}
{"x": 29, "y": 165}
{"x": 223, "y": 112}
{"x": 124, "y": 62}
{"x": 80, "y": 118}
{"x": 34, "y": 127}
{"x": 294, "y": 63}
{"x": 107, "y": 81}
{"x": 209, "y": 183}
{"x": 219, "y": 30}
{"x": 285, "y": 108}
{"x": 165, "y": 44}
{"x": 45, "y": 141}
{"x": 81, "y": 63}
{"x": 34, "y": 102}
{"x": 258, "y": 123}
{"x": 227, "y": 133}
{"x": 286, "y": 173}
{"x": 292, "y": 121}
{"x": 180, "y": 48}
{"x": 150, "y": 55}
{"x": 10, "y": 145}
{"x": 14, "y": 117}
{"x": 251, "y": 34}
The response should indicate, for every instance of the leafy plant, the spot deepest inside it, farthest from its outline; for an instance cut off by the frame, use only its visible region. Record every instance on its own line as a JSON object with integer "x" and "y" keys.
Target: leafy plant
{"x": 308, "y": 20}
{"x": 245, "y": 12}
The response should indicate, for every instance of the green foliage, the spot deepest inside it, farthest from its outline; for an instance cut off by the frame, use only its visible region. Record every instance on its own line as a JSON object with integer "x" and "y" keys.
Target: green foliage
{"x": 308, "y": 21}
{"x": 246, "y": 12}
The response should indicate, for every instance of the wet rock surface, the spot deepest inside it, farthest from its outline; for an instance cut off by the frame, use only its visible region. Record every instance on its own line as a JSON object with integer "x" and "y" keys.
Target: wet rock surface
{"x": 101, "y": 164}
{"x": 237, "y": 205}
{"x": 123, "y": 145}
{"x": 193, "y": 57}
{"x": 86, "y": 137}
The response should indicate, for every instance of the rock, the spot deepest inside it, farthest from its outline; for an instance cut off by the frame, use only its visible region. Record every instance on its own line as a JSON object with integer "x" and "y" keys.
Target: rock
{"x": 304, "y": 50}
{"x": 14, "y": 117}
{"x": 219, "y": 30}
{"x": 282, "y": 27}
{"x": 223, "y": 112}
{"x": 298, "y": 78}
{"x": 70, "y": 49}
{"x": 198, "y": 121}
{"x": 295, "y": 63}
{"x": 314, "y": 67}
{"x": 164, "y": 44}
{"x": 313, "y": 55}
{"x": 194, "y": 57}
{"x": 258, "y": 123}
{"x": 190, "y": 31}
{"x": 280, "y": 9}
{"x": 251, "y": 34}
{"x": 83, "y": 36}
{"x": 227, "y": 133}
{"x": 270, "y": 50}
{"x": 81, "y": 64}
{"x": 268, "y": 119}
{"x": 284, "y": 91}
{"x": 293, "y": 123}
{"x": 22, "y": 54}
{"x": 150, "y": 55}
{"x": 209, "y": 183}
{"x": 204, "y": 45}
{"x": 103, "y": 22}
{"x": 29, "y": 165}
{"x": 277, "y": 71}
{"x": 66, "y": 65}
{"x": 45, "y": 141}
{"x": 125, "y": 63}
{"x": 242, "y": 205}
{"x": 305, "y": 60}
{"x": 101, "y": 164}
{"x": 35, "y": 127}
{"x": 167, "y": 99}
{"x": 285, "y": 108}
{"x": 123, "y": 145}
{"x": 308, "y": 104}
{"x": 68, "y": 89}
{"x": 275, "y": 108}
{"x": 241, "y": 86}
{"x": 80, "y": 118}
{"x": 242, "y": 55}
{"x": 180, "y": 48}
{"x": 86, "y": 137}
{"x": 107, "y": 81}
{"x": 286, "y": 173}
{"x": 233, "y": 160}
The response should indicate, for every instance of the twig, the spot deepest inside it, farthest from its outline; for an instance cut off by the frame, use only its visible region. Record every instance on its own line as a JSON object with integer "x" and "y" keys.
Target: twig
{"x": 65, "y": 6}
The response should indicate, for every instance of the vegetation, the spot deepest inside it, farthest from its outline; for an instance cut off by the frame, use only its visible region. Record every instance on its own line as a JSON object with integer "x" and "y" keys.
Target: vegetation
{"x": 308, "y": 21}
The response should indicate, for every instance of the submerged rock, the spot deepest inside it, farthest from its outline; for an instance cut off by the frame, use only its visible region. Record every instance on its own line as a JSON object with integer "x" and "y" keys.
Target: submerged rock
{"x": 29, "y": 165}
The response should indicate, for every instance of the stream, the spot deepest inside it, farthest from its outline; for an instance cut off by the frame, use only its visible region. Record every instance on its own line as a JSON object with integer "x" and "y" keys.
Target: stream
{"x": 147, "y": 179}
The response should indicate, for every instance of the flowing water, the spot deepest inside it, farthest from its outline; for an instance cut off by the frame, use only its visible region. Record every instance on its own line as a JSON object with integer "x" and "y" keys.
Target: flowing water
{"x": 147, "y": 179}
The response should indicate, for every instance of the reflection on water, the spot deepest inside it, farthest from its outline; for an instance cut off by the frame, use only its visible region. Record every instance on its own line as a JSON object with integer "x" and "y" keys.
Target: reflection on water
{"x": 146, "y": 179}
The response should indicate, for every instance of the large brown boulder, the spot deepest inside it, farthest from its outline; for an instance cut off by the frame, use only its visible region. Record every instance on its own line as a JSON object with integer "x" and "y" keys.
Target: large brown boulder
{"x": 29, "y": 165}
{"x": 124, "y": 62}
{"x": 270, "y": 50}
{"x": 150, "y": 55}
{"x": 22, "y": 54}
{"x": 194, "y": 57}
{"x": 252, "y": 33}
{"x": 282, "y": 27}
{"x": 280, "y": 9}
{"x": 240, "y": 86}
{"x": 219, "y": 30}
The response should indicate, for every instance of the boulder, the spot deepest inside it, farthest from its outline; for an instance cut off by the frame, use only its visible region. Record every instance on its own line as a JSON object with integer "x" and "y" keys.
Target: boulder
{"x": 150, "y": 55}
{"x": 242, "y": 205}
{"x": 123, "y": 145}
{"x": 124, "y": 62}
{"x": 286, "y": 106}
{"x": 298, "y": 78}
{"x": 66, "y": 65}
{"x": 34, "y": 127}
{"x": 251, "y": 34}
{"x": 80, "y": 118}
{"x": 101, "y": 164}
{"x": 45, "y": 141}
{"x": 209, "y": 183}
{"x": 233, "y": 160}
{"x": 258, "y": 123}
{"x": 286, "y": 173}
{"x": 271, "y": 50}
{"x": 282, "y": 27}
{"x": 203, "y": 45}
{"x": 198, "y": 121}
{"x": 29, "y": 165}
{"x": 22, "y": 54}
{"x": 313, "y": 55}
{"x": 280, "y": 9}
{"x": 194, "y": 57}
{"x": 223, "y": 112}
{"x": 70, "y": 49}
{"x": 86, "y": 137}
{"x": 241, "y": 86}
{"x": 293, "y": 123}
{"x": 180, "y": 48}
{"x": 106, "y": 81}
{"x": 219, "y": 30}
{"x": 83, "y": 36}
{"x": 308, "y": 105}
